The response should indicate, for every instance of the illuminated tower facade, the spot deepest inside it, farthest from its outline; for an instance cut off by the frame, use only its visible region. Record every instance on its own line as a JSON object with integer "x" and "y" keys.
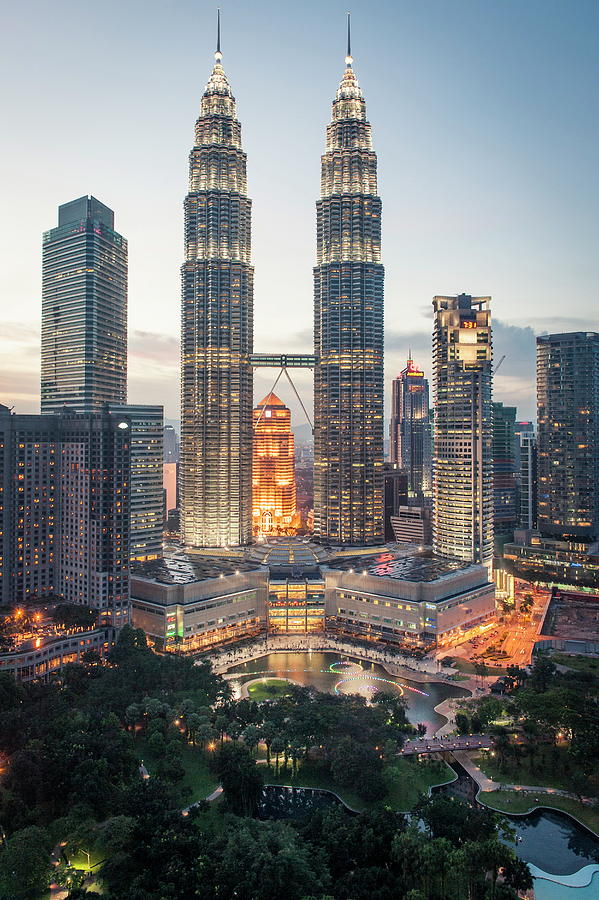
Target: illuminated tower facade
{"x": 273, "y": 470}
{"x": 348, "y": 330}
{"x": 463, "y": 451}
{"x": 410, "y": 429}
{"x": 216, "y": 330}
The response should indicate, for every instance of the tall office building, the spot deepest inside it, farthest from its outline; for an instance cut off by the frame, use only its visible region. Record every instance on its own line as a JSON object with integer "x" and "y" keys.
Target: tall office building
{"x": 216, "y": 330}
{"x": 505, "y": 474}
{"x": 527, "y": 479}
{"x": 568, "y": 435}
{"x": 146, "y": 491}
{"x": 84, "y": 310}
{"x": 273, "y": 469}
{"x": 171, "y": 445}
{"x": 410, "y": 429}
{"x": 64, "y": 510}
{"x": 462, "y": 457}
{"x": 348, "y": 330}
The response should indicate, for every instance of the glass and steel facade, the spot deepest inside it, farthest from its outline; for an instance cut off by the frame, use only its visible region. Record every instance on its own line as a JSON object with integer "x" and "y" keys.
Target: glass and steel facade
{"x": 147, "y": 491}
{"x": 463, "y": 433}
{"x": 568, "y": 435}
{"x": 216, "y": 330}
{"x": 505, "y": 487}
{"x": 410, "y": 429}
{"x": 84, "y": 310}
{"x": 348, "y": 330}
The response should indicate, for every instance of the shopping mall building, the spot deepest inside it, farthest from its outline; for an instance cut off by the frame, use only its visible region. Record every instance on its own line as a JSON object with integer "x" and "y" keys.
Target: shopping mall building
{"x": 192, "y": 601}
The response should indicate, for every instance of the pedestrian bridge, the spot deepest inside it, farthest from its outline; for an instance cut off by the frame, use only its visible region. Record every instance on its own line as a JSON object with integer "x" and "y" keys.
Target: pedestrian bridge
{"x": 441, "y": 745}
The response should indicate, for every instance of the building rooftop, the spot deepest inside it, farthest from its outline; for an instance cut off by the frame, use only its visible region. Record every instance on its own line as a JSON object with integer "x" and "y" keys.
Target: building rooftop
{"x": 184, "y": 568}
{"x": 421, "y": 567}
{"x": 291, "y": 553}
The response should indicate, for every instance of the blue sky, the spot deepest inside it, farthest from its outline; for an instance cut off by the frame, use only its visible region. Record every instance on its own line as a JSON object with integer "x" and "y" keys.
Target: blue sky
{"x": 485, "y": 121}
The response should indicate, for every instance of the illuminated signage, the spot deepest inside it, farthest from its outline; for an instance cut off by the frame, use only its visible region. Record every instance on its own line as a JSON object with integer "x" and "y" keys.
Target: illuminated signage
{"x": 468, "y": 324}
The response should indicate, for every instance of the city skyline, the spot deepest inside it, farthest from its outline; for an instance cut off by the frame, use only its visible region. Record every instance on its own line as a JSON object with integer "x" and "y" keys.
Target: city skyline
{"x": 421, "y": 259}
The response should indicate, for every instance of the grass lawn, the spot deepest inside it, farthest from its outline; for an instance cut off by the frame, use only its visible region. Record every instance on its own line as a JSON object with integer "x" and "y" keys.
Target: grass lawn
{"x": 198, "y": 778}
{"x": 79, "y": 860}
{"x": 516, "y": 802}
{"x": 580, "y": 663}
{"x": 464, "y": 665}
{"x": 268, "y": 688}
{"x": 543, "y": 773}
{"x": 405, "y": 780}
{"x": 311, "y": 776}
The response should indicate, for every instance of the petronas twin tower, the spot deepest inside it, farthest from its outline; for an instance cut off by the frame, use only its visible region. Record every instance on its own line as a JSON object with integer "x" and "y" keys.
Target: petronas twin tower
{"x": 217, "y": 330}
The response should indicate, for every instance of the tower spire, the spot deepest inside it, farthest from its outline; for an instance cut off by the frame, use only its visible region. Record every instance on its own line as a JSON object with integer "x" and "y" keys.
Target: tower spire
{"x": 218, "y": 55}
{"x": 348, "y": 58}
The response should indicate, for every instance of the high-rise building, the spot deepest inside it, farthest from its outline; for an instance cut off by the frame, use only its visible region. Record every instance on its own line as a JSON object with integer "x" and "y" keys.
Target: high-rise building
{"x": 217, "y": 330}
{"x": 84, "y": 310}
{"x": 348, "y": 330}
{"x": 568, "y": 435}
{"x": 395, "y": 494}
{"x": 505, "y": 486}
{"x": 273, "y": 470}
{"x": 462, "y": 456}
{"x": 410, "y": 430}
{"x": 147, "y": 493}
{"x": 64, "y": 509}
{"x": 527, "y": 479}
{"x": 171, "y": 445}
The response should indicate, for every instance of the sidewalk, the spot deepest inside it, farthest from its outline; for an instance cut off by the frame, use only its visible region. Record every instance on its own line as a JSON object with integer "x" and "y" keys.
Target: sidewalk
{"x": 488, "y": 784}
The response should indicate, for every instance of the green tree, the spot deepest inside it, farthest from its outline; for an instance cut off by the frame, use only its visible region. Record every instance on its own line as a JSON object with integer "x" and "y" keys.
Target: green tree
{"x": 241, "y": 780}
{"x": 25, "y": 863}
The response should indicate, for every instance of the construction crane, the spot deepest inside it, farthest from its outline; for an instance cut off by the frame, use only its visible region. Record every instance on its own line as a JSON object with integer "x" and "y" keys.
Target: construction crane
{"x": 498, "y": 364}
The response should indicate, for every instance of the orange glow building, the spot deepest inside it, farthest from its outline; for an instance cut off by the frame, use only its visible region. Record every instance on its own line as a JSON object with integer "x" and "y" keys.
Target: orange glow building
{"x": 273, "y": 470}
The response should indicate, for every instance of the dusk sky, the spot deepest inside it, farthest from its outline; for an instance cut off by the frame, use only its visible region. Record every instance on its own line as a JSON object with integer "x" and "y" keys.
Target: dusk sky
{"x": 485, "y": 122}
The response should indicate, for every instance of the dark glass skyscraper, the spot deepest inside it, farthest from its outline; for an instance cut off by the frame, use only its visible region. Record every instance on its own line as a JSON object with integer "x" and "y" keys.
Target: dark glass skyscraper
{"x": 348, "y": 330}
{"x": 217, "y": 330}
{"x": 568, "y": 434}
{"x": 84, "y": 310}
{"x": 410, "y": 429}
{"x": 505, "y": 473}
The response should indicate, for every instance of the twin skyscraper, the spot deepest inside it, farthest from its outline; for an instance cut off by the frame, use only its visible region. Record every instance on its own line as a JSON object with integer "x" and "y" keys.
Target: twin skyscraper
{"x": 217, "y": 329}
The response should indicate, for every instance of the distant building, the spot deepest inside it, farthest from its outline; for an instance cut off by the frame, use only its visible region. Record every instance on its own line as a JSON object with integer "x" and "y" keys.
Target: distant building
{"x": 273, "y": 471}
{"x": 65, "y": 510}
{"x": 505, "y": 486}
{"x": 170, "y": 486}
{"x": 171, "y": 445}
{"x": 568, "y": 435}
{"x": 412, "y": 525}
{"x": 84, "y": 310}
{"x": 462, "y": 459}
{"x": 410, "y": 429}
{"x": 395, "y": 494}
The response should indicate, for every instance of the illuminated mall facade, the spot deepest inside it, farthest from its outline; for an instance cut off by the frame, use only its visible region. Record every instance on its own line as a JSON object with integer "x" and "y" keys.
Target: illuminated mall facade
{"x": 189, "y": 602}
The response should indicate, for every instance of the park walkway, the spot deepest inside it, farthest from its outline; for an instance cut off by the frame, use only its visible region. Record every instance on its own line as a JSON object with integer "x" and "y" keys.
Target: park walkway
{"x": 456, "y": 743}
{"x": 488, "y": 784}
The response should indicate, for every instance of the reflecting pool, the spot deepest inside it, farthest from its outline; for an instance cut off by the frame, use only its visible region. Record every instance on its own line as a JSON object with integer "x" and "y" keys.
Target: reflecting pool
{"x": 336, "y": 673}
